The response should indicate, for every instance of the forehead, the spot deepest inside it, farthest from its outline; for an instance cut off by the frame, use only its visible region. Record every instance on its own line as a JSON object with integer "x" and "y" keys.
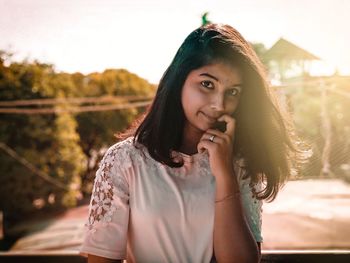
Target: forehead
{"x": 223, "y": 72}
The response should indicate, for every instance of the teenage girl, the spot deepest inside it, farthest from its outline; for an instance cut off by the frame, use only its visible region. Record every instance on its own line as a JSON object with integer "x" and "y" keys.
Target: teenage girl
{"x": 186, "y": 182}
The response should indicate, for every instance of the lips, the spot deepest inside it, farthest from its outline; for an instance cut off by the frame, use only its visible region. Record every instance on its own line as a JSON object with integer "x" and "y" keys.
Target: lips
{"x": 210, "y": 119}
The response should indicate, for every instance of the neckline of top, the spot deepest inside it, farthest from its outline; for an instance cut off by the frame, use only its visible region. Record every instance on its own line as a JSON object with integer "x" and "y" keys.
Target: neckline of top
{"x": 186, "y": 157}
{"x": 194, "y": 157}
{"x": 189, "y": 158}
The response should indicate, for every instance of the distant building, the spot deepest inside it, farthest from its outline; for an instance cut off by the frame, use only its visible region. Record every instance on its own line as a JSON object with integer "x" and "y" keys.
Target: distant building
{"x": 286, "y": 59}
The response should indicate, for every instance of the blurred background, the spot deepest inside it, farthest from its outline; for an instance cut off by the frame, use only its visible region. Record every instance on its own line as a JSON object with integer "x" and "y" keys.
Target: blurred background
{"x": 74, "y": 73}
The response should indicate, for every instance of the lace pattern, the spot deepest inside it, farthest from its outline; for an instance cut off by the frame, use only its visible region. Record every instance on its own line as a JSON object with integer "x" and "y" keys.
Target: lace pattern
{"x": 109, "y": 185}
{"x": 253, "y": 207}
{"x": 111, "y": 189}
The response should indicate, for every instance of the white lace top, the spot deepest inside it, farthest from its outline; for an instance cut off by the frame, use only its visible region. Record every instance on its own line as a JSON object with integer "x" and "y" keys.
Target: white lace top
{"x": 144, "y": 211}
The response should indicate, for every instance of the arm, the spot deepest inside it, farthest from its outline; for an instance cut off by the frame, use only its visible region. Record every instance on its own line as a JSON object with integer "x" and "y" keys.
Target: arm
{"x": 106, "y": 228}
{"x": 259, "y": 246}
{"x": 233, "y": 239}
{"x": 97, "y": 259}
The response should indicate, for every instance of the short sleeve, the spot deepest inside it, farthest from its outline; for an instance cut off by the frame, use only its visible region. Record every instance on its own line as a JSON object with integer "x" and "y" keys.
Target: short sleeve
{"x": 252, "y": 206}
{"x": 107, "y": 224}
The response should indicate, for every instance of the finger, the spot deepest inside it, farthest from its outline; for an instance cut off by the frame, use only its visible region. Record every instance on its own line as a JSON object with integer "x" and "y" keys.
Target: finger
{"x": 204, "y": 145}
{"x": 230, "y": 124}
{"x": 218, "y": 137}
{"x": 209, "y": 133}
{"x": 214, "y": 132}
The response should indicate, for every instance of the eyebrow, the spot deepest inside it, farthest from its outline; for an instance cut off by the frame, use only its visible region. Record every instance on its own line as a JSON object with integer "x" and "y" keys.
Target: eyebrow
{"x": 209, "y": 75}
{"x": 215, "y": 78}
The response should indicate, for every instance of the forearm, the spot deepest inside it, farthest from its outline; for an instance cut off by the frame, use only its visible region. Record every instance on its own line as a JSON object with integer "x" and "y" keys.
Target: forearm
{"x": 233, "y": 240}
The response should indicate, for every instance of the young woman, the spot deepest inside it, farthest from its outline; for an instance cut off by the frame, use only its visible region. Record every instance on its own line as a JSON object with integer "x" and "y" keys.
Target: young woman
{"x": 186, "y": 182}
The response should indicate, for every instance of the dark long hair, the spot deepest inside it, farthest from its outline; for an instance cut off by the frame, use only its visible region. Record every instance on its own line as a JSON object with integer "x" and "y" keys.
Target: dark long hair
{"x": 264, "y": 134}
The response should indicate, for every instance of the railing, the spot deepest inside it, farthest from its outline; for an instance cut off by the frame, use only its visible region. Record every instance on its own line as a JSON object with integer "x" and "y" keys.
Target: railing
{"x": 268, "y": 256}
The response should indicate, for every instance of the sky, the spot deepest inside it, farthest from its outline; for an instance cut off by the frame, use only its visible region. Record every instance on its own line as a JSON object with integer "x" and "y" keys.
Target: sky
{"x": 143, "y": 36}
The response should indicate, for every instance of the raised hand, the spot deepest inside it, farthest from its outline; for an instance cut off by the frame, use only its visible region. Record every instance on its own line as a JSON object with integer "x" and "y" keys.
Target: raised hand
{"x": 219, "y": 146}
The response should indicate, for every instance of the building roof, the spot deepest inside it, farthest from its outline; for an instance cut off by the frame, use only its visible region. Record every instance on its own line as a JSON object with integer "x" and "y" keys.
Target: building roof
{"x": 285, "y": 50}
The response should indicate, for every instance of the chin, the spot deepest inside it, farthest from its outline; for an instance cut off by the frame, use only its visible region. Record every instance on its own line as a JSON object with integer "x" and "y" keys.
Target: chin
{"x": 204, "y": 127}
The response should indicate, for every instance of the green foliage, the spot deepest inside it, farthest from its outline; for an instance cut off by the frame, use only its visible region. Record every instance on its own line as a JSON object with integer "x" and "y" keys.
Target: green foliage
{"x": 97, "y": 129}
{"x": 48, "y": 142}
{"x": 205, "y": 19}
{"x": 307, "y": 104}
{"x": 65, "y": 146}
{"x": 260, "y": 50}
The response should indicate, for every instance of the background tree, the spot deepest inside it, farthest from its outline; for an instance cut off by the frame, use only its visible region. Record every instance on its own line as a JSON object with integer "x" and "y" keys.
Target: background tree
{"x": 97, "y": 129}
{"x": 48, "y": 142}
{"x": 260, "y": 50}
{"x": 205, "y": 19}
{"x": 308, "y": 106}
{"x": 64, "y": 146}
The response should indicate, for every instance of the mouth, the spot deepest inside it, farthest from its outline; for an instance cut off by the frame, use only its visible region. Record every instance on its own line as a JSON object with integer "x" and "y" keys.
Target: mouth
{"x": 209, "y": 119}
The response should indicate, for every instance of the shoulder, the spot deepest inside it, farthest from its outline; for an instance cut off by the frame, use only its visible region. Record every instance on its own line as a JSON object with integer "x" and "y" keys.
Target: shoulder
{"x": 125, "y": 145}
{"x": 122, "y": 153}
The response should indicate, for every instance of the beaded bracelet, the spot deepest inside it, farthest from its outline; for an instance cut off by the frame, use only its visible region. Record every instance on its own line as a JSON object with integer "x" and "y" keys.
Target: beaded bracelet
{"x": 228, "y": 197}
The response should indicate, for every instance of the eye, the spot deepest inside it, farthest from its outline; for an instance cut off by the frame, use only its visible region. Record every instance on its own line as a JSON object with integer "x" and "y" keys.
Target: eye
{"x": 234, "y": 92}
{"x": 207, "y": 84}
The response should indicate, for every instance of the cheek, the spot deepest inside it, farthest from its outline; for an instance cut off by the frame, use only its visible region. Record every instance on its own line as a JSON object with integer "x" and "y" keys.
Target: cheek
{"x": 192, "y": 100}
{"x": 231, "y": 106}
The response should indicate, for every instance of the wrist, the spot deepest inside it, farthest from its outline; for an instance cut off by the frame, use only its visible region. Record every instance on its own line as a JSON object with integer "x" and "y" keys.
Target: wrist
{"x": 222, "y": 171}
{"x": 228, "y": 197}
{"x": 226, "y": 185}
{"x": 225, "y": 177}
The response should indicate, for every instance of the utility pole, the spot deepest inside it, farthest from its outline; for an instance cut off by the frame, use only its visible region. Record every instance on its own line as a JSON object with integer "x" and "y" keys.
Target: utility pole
{"x": 326, "y": 132}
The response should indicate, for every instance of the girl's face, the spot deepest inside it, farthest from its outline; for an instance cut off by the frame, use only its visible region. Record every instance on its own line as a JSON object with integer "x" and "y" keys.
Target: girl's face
{"x": 208, "y": 93}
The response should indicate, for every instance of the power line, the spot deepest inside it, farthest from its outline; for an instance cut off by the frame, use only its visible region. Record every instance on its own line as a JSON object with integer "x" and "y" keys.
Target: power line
{"x": 31, "y": 167}
{"x": 94, "y": 108}
{"x": 73, "y": 100}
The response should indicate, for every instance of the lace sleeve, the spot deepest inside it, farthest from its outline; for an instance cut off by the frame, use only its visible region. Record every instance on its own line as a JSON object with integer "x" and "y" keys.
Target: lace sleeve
{"x": 106, "y": 229}
{"x": 252, "y": 206}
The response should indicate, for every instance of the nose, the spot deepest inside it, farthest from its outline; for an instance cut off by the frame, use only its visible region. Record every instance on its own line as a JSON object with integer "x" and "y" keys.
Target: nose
{"x": 218, "y": 103}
